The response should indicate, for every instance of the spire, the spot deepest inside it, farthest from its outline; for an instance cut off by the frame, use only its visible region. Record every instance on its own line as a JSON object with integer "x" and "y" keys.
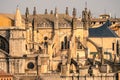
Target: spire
{"x": 46, "y": 11}
{"x": 51, "y": 12}
{"x": 27, "y": 12}
{"x": 56, "y": 12}
{"x": 18, "y": 20}
{"x": 74, "y": 12}
{"x": 67, "y": 13}
{"x": 34, "y": 11}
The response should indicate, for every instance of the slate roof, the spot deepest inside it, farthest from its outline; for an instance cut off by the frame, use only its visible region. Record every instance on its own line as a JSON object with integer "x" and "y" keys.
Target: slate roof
{"x": 102, "y": 31}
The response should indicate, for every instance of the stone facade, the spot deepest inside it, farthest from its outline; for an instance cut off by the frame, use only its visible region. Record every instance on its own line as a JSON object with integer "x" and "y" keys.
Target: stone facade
{"x": 41, "y": 44}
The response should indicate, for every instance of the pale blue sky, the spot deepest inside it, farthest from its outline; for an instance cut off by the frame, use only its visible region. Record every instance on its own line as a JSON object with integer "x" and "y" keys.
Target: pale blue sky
{"x": 96, "y": 6}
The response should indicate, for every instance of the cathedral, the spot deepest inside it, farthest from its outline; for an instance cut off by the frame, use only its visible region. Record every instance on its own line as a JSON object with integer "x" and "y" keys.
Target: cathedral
{"x": 60, "y": 44}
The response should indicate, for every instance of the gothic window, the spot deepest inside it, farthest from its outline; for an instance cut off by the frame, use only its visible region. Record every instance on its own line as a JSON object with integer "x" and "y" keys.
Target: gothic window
{"x": 113, "y": 46}
{"x": 100, "y": 22}
{"x": 68, "y": 44}
{"x": 79, "y": 45}
{"x": 62, "y": 45}
{"x": 65, "y": 44}
{"x": 26, "y": 47}
{"x": 2, "y": 44}
{"x": 65, "y": 40}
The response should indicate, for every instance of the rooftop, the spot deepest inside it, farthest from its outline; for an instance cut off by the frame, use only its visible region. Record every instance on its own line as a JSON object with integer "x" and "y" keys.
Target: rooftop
{"x": 102, "y": 31}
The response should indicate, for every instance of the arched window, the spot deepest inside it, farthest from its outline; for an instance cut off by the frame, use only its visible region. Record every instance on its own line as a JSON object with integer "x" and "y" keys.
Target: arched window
{"x": 79, "y": 45}
{"x": 62, "y": 45}
{"x": 65, "y": 44}
{"x": 4, "y": 45}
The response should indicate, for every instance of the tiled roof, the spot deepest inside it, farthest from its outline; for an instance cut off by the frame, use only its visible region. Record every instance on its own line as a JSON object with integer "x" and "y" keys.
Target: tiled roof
{"x": 102, "y": 31}
{"x": 10, "y": 16}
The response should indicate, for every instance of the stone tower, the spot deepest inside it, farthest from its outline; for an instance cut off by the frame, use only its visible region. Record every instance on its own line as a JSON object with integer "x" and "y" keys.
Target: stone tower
{"x": 17, "y": 44}
{"x": 17, "y": 37}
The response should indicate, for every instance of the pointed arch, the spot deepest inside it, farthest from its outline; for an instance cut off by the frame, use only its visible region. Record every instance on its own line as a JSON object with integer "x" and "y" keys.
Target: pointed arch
{"x": 4, "y": 44}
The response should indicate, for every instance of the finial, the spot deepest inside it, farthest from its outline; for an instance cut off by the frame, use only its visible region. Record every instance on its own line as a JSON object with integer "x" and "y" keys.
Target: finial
{"x": 46, "y": 11}
{"x": 34, "y": 11}
{"x": 56, "y": 12}
{"x": 51, "y": 12}
{"x": 27, "y": 12}
{"x": 74, "y": 12}
{"x": 67, "y": 13}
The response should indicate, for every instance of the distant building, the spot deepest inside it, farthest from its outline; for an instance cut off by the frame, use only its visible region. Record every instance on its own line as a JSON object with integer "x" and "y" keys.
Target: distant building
{"x": 42, "y": 45}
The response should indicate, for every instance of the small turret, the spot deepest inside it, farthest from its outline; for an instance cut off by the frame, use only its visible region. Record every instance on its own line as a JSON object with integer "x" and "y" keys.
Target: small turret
{"x": 56, "y": 19}
{"x": 74, "y": 20}
{"x": 46, "y": 11}
{"x": 34, "y": 11}
{"x": 86, "y": 18}
{"x": 27, "y": 12}
{"x": 26, "y": 17}
{"x": 34, "y": 21}
{"x": 74, "y": 13}
{"x": 18, "y": 19}
{"x": 56, "y": 13}
{"x": 67, "y": 12}
{"x": 51, "y": 12}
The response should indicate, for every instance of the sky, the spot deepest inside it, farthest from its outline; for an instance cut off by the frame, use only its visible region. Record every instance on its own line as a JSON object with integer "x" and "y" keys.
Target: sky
{"x": 97, "y": 7}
